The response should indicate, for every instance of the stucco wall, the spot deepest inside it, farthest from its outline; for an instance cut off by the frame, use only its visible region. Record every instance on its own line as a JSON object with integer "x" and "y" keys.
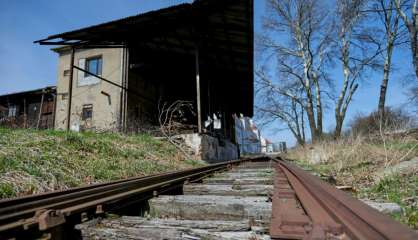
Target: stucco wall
{"x": 106, "y": 110}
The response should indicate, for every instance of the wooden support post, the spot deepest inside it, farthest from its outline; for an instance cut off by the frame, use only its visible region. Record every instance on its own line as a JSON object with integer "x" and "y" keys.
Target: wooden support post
{"x": 198, "y": 102}
{"x": 40, "y": 110}
{"x": 25, "y": 114}
{"x": 70, "y": 88}
{"x": 54, "y": 109}
{"x": 123, "y": 120}
{"x": 126, "y": 90}
{"x": 122, "y": 91}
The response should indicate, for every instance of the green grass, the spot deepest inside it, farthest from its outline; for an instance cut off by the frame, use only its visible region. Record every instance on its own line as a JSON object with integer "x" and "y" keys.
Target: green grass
{"x": 34, "y": 161}
{"x": 405, "y": 146}
{"x": 401, "y": 190}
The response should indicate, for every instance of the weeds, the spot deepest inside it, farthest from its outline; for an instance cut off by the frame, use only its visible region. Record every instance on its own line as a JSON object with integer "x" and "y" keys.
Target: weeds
{"x": 38, "y": 161}
{"x": 402, "y": 190}
{"x": 361, "y": 163}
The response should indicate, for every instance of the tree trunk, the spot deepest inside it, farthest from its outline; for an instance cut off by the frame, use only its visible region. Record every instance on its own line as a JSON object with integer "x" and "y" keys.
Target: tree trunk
{"x": 296, "y": 115}
{"x": 298, "y": 137}
{"x": 307, "y": 62}
{"x": 311, "y": 120}
{"x": 338, "y": 126}
{"x": 303, "y": 124}
{"x": 319, "y": 128}
{"x": 339, "y": 118}
{"x": 414, "y": 47}
{"x": 385, "y": 80}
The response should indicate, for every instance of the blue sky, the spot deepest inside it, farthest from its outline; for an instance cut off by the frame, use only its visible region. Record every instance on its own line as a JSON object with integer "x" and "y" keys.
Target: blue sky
{"x": 366, "y": 98}
{"x": 25, "y": 66}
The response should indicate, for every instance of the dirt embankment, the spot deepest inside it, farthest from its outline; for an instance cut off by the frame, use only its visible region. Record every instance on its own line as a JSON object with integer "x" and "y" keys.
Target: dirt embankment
{"x": 39, "y": 161}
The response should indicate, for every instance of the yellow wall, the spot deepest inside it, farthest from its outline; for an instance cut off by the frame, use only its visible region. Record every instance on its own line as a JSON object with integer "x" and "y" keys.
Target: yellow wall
{"x": 105, "y": 114}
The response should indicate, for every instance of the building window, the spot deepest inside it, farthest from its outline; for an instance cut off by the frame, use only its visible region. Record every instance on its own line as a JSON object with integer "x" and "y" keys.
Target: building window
{"x": 66, "y": 73}
{"x": 12, "y": 111}
{"x": 94, "y": 65}
{"x": 87, "y": 113}
{"x": 64, "y": 96}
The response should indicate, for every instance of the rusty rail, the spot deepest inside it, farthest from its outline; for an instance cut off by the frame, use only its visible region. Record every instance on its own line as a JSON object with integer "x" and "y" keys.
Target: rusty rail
{"x": 305, "y": 207}
{"x": 38, "y": 214}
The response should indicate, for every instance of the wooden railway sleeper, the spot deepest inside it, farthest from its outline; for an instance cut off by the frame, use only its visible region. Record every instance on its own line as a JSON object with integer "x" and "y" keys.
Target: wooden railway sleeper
{"x": 49, "y": 219}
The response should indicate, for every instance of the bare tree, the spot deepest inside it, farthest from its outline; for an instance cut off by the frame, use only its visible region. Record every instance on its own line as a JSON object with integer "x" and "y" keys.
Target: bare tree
{"x": 281, "y": 103}
{"x": 414, "y": 98}
{"x": 411, "y": 23}
{"x": 298, "y": 35}
{"x": 390, "y": 20}
{"x": 356, "y": 50}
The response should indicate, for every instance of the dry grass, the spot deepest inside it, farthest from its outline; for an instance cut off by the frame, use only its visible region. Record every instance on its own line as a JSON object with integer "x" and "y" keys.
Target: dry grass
{"x": 361, "y": 163}
{"x": 38, "y": 161}
{"x": 356, "y": 161}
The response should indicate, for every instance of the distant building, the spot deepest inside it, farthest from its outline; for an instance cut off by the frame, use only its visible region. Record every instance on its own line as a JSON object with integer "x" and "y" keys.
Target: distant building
{"x": 29, "y": 109}
{"x": 250, "y": 141}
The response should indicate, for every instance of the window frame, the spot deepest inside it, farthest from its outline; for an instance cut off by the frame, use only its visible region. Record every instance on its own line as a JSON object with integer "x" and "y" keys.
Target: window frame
{"x": 66, "y": 73}
{"x": 99, "y": 59}
{"x": 83, "y": 115}
{"x": 12, "y": 111}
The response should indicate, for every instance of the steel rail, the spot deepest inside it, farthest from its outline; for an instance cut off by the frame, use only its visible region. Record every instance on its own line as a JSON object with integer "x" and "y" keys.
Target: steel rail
{"x": 7, "y": 202}
{"x": 357, "y": 219}
{"x": 46, "y": 211}
{"x": 89, "y": 192}
{"x": 82, "y": 197}
{"x": 77, "y": 205}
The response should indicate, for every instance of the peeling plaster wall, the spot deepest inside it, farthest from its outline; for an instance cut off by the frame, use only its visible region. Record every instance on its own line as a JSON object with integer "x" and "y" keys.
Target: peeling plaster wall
{"x": 106, "y": 109}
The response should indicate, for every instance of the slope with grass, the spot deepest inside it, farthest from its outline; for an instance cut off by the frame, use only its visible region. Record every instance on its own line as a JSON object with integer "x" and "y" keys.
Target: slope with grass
{"x": 362, "y": 163}
{"x": 34, "y": 161}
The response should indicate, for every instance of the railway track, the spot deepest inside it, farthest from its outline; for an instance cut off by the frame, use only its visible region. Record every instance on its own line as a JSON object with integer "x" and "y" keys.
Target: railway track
{"x": 258, "y": 198}
{"x": 305, "y": 207}
{"x": 55, "y": 212}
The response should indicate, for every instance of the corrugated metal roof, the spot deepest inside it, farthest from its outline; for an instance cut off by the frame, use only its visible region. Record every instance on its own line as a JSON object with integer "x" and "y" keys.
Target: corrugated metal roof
{"x": 28, "y": 91}
{"x": 172, "y": 8}
{"x": 126, "y": 20}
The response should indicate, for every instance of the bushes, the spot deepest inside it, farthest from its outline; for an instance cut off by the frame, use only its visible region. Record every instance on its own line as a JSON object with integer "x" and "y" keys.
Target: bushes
{"x": 393, "y": 120}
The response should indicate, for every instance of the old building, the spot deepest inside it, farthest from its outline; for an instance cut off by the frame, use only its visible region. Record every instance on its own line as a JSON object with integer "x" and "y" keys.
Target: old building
{"x": 29, "y": 109}
{"x": 120, "y": 75}
{"x": 95, "y": 104}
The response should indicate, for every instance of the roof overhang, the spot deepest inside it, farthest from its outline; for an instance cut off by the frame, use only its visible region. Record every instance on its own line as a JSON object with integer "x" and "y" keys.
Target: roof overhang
{"x": 220, "y": 29}
{"x": 48, "y": 89}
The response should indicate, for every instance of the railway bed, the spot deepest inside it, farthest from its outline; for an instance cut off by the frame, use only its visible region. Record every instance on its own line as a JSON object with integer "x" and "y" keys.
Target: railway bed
{"x": 253, "y": 198}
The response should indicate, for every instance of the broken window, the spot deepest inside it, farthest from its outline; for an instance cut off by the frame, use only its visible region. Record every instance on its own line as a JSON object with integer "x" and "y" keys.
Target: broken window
{"x": 94, "y": 65}
{"x": 87, "y": 113}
